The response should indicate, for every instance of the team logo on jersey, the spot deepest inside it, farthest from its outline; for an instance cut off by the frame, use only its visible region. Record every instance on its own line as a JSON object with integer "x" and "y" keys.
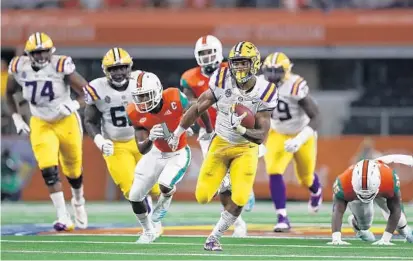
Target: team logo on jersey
{"x": 240, "y": 99}
{"x": 123, "y": 97}
{"x": 107, "y": 99}
{"x": 24, "y": 75}
{"x": 168, "y": 112}
{"x": 200, "y": 83}
{"x": 142, "y": 120}
{"x": 228, "y": 93}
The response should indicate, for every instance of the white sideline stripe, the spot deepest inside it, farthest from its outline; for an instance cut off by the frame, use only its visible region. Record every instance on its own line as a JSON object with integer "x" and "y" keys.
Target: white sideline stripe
{"x": 191, "y": 244}
{"x": 204, "y": 236}
{"x": 196, "y": 254}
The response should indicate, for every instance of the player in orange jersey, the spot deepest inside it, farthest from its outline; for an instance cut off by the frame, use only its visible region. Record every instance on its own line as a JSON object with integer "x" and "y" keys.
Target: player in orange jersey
{"x": 358, "y": 187}
{"x": 153, "y": 113}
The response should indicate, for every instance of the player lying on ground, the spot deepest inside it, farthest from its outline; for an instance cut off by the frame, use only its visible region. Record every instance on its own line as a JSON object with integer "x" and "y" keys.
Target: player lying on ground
{"x": 194, "y": 82}
{"x": 55, "y": 127}
{"x": 358, "y": 187}
{"x": 234, "y": 147}
{"x": 292, "y": 136}
{"x": 106, "y": 120}
{"x": 153, "y": 113}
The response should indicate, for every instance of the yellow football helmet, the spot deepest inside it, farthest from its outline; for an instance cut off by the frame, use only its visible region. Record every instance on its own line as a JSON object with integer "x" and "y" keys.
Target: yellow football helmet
{"x": 39, "y": 47}
{"x": 244, "y": 61}
{"x": 117, "y": 66}
{"x": 277, "y": 67}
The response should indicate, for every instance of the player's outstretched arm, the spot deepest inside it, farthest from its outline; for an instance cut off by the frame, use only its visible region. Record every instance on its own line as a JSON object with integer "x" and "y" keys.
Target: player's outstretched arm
{"x": 262, "y": 126}
{"x": 204, "y": 116}
{"x": 92, "y": 120}
{"x": 395, "y": 208}
{"x": 339, "y": 207}
{"x": 77, "y": 82}
{"x": 312, "y": 110}
{"x": 11, "y": 88}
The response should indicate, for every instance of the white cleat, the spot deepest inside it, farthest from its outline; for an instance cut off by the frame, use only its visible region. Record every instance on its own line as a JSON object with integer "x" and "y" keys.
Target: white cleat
{"x": 365, "y": 235}
{"x": 80, "y": 214}
{"x": 147, "y": 237}
{"x": 240, "y": 228}
{"x": 158, "y": 228}
{"x": 64, "y": 223}
{"x": 161, "y": 207}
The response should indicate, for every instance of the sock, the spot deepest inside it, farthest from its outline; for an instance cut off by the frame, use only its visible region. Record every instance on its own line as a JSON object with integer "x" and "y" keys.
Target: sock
{"x": 58, "y": 200}
{"x": 316, "y": 184}
{"x": 148, "y": 201}
{"x": 78, "y": 195}
{"x": 402, "y": 221}
{"x": 278, "y": 195}
{"x": 238, "y": 221}
{"x": 226, "y": 220}
{"x": 282, "y": 212}
{"x": 145, "y": 222}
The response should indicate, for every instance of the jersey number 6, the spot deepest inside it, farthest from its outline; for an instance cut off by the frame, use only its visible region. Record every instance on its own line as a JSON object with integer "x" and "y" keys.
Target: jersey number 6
{"x": 284, "y": 110}
{"x": 119, "y": 120}
{"x": 47, "y": 91}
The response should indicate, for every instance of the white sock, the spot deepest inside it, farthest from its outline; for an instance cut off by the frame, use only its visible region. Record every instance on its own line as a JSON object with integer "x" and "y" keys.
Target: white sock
{"x": 402, "y": 221}
{"x": 226, "y": 220}
{"x": 58, "y": 200}
{"x": 78, "y": 195}
{"x": 282, "y": 212}
{"x": 238, "y": 221}
{"x": 145, "y": 222}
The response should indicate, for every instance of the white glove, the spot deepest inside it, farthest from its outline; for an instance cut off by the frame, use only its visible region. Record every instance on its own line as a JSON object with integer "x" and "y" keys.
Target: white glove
{"x": 292, "y": 145}
{"x": 383, "y": 242}
{"x": 190, "y": 132}
{"x": 206, "y": 136}
{"x": 68, "y": 108}
{"x": 21, "y": 125}
{"x": 236, "y": 120}
{"x": 156, "y": 133}
{"x": 105, "y": 145}
{"x": 337, "y": 240}
{"x": 173, "y": 141}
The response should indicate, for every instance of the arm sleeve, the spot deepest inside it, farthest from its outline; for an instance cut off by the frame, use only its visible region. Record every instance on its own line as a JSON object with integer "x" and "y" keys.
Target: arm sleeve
{"x": 65, "y": 65}
{"x": 184, "y": 100}
{"x": 91, "y": 94}
{"x": 14, "y": 65}
{"x": 300, "y": 89}
{"x": 397, "y": 158}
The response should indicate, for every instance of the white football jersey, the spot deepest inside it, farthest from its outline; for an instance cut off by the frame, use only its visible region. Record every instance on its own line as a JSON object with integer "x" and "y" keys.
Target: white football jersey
{"x": 44, "y": 89}
{"x": 112, "y": 104}
{"x": 262, "y": 97}
{"x": 289, "y": 117}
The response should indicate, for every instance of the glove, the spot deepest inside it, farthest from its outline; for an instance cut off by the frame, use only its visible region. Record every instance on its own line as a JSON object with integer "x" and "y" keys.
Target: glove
{"x": 337, "y": 240}
{"x": 68, "y": 108}
{"x": 156, "y": 133}
{"x": 21, "y": 125}
{"x": 206, "y": 136}
{"x": 383, "y": 242}
{"x": 190, "y": 132}
{"x": 173, "y": 141}
{"x": 105, "y": 145}
{"x": 292, "y": 145}
{"x": 236, "y": 120}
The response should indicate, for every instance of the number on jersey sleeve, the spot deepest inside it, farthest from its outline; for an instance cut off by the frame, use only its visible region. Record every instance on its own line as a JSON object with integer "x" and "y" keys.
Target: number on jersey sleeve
{"x": 338, "y": 191}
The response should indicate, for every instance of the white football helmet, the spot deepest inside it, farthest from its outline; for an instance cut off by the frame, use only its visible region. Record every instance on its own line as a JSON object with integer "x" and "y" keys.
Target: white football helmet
{"x": 208, "y": 53}
{"x": 366, "y": 180}
{"x": 148, "y": 92}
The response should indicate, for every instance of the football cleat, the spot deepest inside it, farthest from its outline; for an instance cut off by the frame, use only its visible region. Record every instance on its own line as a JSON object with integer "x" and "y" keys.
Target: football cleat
{"x": 407, "y": 233}
{"x": 147, "y": 237}
{"x": 283, "y": 224}
{"x": 158, "y": 228}
{"x": 212, "y": 244}
{"x": 161, "y": 208}
{"x": 80, "y": 214}
{"x": 240, "y": 228}
{"x": 365, "y": 235}
{"x": 314, "y": 203}
{"x": 64, "y": 223}
{"x": 251, "y": 202}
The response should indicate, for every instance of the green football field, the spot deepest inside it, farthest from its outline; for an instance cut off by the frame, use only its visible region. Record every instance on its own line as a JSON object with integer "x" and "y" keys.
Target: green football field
{"x": 27, "y": 234}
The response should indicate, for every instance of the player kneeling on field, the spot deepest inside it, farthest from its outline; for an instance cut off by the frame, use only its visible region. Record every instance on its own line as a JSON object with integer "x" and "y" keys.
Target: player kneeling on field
{"x": 358, "y": 187}
{"x": 153, "y": 113}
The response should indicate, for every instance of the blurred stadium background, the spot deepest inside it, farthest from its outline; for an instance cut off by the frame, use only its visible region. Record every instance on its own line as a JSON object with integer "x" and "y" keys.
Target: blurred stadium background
{"x": 357, "y": 56}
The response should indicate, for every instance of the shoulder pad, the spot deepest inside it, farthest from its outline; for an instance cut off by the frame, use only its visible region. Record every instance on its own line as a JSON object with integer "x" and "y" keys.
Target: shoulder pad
{"x": 15, "y": 64}
{"x": 90, "y": 90}
{"x": 267, "y": 94}
{"x": 296, "y": 85}
{"x": 220, "y": 76}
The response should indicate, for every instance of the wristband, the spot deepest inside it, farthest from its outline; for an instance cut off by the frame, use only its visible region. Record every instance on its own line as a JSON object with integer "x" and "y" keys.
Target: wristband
{"x": 387, "y": 236}
{"x": 305, "y": 134}
{"x": 16, "y": 117}
{"x": 241, "y": 129}
{"x": 179, "y": 131}
{"x": 336, "y": 236}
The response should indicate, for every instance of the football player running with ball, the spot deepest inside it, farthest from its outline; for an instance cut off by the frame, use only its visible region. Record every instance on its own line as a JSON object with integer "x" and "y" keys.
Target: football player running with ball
{"x": 55, "y": 127}
{"x": 154, "y": 113}
{"x": 106, "y": 120}
{"x": 234, "y": 148}
{"x": 292, "y": 136}
{"x": 194, "y": 82}
{"x": 358, "y": 187}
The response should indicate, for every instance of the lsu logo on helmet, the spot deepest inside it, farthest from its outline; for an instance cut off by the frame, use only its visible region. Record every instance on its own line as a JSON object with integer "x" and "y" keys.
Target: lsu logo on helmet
{"x": 277, "y": 67}
{"x": 244, "y": 61}
{"x": 117, "y": 66}
{"x": 39, "y": 47}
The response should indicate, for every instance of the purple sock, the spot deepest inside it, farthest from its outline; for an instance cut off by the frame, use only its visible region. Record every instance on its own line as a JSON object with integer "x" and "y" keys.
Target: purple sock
{"x": 316, "y": 184}
{"x": 277, "y": 188}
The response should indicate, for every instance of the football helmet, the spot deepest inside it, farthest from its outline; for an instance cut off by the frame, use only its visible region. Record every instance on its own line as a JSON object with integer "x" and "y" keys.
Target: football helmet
{"x": 148, "y": 92}
{"x": 39, "y": 47}
{"x": 117, "y": 66}
{"x": 276, "y": 67}
{"x": 244, "y": 61}
{"x": 366, "y": 180}
{"x": 208, "y": 53}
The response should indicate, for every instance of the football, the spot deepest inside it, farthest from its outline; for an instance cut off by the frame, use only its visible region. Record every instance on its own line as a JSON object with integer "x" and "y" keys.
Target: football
{"x": 249, "y": 121}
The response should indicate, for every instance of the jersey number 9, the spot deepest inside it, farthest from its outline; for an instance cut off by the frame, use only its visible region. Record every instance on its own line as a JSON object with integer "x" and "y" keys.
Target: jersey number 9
{"x": 284, "y": 110}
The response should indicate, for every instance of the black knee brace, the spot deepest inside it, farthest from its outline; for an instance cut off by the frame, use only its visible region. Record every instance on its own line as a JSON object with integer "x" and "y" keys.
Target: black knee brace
{"x": 76, "y": 183}
{"x": 139, "y": 207}
{"x": 50, "y": 175}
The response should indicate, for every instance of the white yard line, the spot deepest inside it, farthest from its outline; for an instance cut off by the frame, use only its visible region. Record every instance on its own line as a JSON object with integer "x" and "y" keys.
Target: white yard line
{"x": 199, "y": 254}
{"x": 196, "y": 244}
